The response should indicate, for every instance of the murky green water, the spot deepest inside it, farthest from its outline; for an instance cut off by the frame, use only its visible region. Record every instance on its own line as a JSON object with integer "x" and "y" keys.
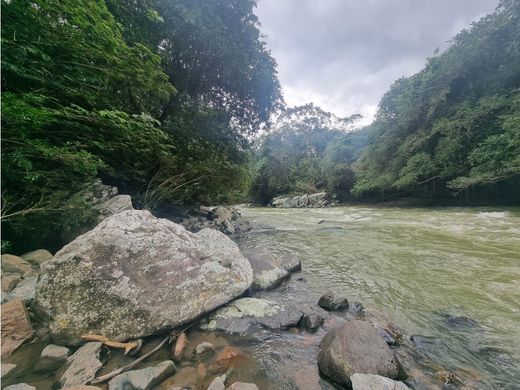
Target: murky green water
{"x": 417, "y": 265}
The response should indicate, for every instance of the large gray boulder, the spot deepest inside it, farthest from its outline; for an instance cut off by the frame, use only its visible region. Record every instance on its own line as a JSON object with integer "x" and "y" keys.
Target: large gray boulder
{"x": 355, "y": 347}
{"x": 375, "y": 382}
{"x": 267, "y": 271}
{"x": 135, "y": 275}
{"x": 143, "y": 379}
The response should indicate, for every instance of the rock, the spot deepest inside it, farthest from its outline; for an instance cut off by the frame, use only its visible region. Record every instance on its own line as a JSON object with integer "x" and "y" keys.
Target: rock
{"x": 311, "y": 321}
{"x": 82, "y": 365}
{"x": 314, "y": 200}
{"x": 356, "y": 308}
{"x": 333, "y": 302}
{"x": 218, "y": 383}
{"x": 266, "y": 270}
{"x": 242, "y": 386}
{"x": 227, "y": 227}
{"x": 20, "y": 386}
{"x": 97, "y": 193}
{"x": 16, "y": 326}
{"x": 9, "y": 281}
{"x": 203, "y": 348}
{"x": 375, "y": 382}
{"x": 5, "y": 369}
{"x": 113, "y": 206}
{"x": 37, "y": 257}
{"x": 290, "y": 263}
{"x": 143, "y": 379}
{"x": 52, "y": 357}
{"x": 81, "y": 387}
{"x": 389, "y": 339}
{"x": 122, "y": 277}
{"x": 135, "y": 351}
{"x": 24, "y": 290}
{"x": 242, "y": 314}
{"x": 460, "y": 321}
{"x": 16, "y": 265}
{"x": 355, "y": 347}
{"x": 424, "y": 342}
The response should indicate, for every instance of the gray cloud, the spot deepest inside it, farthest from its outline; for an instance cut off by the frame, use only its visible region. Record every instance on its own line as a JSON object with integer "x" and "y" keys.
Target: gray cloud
{"x": 344, "y": 54}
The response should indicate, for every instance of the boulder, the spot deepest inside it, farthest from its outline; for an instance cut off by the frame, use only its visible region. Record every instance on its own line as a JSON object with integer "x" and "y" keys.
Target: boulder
{"x": 52, "y": 357}
{"x": 135, "y": 275}
{"x": 113, "y": 206}
{"x": 16, "y": 265}
{"x": 37, "y": 257}
{"x": 218, "y": 383}
{"x": 9, "y": 281}
{"x": 355, "y": 347}
{"x": 20, "y": 386}
{"x": 16, "y": 326}
{"x": 143, "y": 379}
{"x": 82, "y": 365}
{"x": 242, "y": 386}
{"x": 267, "y": 272}
{"x": 242, "y": 314}
{"x": 24, "y": 290}
{"x": 332, "y": 302}
{"x": 311, "y": 321}
{"x": 375, "y": 382}
{"x": 203, "y": 348}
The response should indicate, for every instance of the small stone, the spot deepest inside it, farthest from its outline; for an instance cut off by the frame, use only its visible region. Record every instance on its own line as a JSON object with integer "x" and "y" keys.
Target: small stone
{"x": 218, "y": 383}
{"x": 9, "y": 281}
{"x": 16, "y": 265}
{"x": 143, "y": 379}
{"x": 16, "y": 326}
{"x": 375, "y": 382}
{"x": 20, "y": 386}
{"x": 37, "y": 257}
{"x": 311, "y": 321}
{"x": 242, "y": 386}
{"x": 82, "y": 365}
{"x": 356, "y": 308}
{"x": 52, "y": 357}
{"x": 203, "y": 348}
{"x": 6, "y": 368}
{"x": 333, "y": 302}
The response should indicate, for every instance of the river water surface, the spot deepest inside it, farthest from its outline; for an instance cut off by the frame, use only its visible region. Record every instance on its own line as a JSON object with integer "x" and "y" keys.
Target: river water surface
{"x": 420, "y": 266}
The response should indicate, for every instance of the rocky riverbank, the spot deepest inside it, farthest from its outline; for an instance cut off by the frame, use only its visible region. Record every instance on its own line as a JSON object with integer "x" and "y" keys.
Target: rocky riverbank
{"x": 241, "y": 319}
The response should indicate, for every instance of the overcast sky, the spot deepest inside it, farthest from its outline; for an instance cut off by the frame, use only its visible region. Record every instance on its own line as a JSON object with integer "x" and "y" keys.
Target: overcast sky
{"x": 344, "y": 54}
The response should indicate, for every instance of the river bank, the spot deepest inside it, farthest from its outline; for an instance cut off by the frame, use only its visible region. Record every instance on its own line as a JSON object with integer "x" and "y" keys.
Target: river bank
{"x": 281, "y": 356}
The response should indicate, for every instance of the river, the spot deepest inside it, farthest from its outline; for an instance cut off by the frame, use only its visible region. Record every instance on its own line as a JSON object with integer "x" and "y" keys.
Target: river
{"x": 420, "y": 266}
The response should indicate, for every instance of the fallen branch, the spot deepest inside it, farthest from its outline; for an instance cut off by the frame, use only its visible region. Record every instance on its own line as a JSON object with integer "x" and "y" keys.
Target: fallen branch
{"x": 109, "y": 343}
{"x": 129, "y": 366}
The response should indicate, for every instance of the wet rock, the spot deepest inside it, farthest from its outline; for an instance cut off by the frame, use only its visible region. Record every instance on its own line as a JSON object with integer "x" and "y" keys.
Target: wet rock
{"x": 218, "y": 383}
{"x": 332, "y": 302}
{"x": 113, "y": 206}
{"x": 460, "y": 321}
{"x": 16, "y": 326}
{"x": 37, "y": 257}
{"x": 356, "y": 308}
{"x": 266, "y": 271}
{"x": 24, "y": 290}
{"x": 242, "y": 386}
{"x": 52, "y": 357}
{"x": 424, "y": 342}
{"x": 122, "y": 277}
{"x": 242, "y": 314}
{"x": 375, "y": 382}
{"x": 290, "y": 263}
{"x": 143, "y": 379}
{"x": 16, "y": 265}
{"x": 82, "y": 365}
{"x": 311, "y": 321}
{"x": 9, "y": 281}
{"x": 20, "y": 386}
{"x": 355, "y": 347}
{"x": 203, "y": 348}
{"x": 389, "y": 339}
{"x": 5, "y": 369}
{"x": 227, "y": 358}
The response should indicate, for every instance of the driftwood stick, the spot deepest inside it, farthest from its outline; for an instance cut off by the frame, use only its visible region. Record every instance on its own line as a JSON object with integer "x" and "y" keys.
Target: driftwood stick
{"x": 129, "y": 366}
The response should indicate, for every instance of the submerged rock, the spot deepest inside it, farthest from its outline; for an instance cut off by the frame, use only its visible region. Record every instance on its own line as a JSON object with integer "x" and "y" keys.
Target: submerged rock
{"x": 460, "y": 321}
{"x": 16, "y": 326}
{"x": 332, "y": 302}
{"x": 143, "y": 379}
{"x": 242, "y": 314}
{"x": 290, "y": 263}
{"x": 135, "y": 275}
{"x": 203, "y": 348}
{"x": 82, "y": 365}
{"x": 267, "y": 271}
{"x": 355, "y": 347}
{"x": 311, "y": 321}
{"x": 218, "y": 383}
{"x": 375, "y": 382}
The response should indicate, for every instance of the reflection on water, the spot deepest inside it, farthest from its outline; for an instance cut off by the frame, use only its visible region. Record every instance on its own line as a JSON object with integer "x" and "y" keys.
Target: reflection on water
{"x": 420, "y": 266}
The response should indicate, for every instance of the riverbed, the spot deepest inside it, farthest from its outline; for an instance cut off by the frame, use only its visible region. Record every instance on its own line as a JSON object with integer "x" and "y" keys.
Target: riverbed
{"x": 452, "y": 274}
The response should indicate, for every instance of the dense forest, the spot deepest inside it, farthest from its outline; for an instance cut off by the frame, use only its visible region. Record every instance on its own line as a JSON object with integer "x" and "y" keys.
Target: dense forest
{"x": 178, "y": 102}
